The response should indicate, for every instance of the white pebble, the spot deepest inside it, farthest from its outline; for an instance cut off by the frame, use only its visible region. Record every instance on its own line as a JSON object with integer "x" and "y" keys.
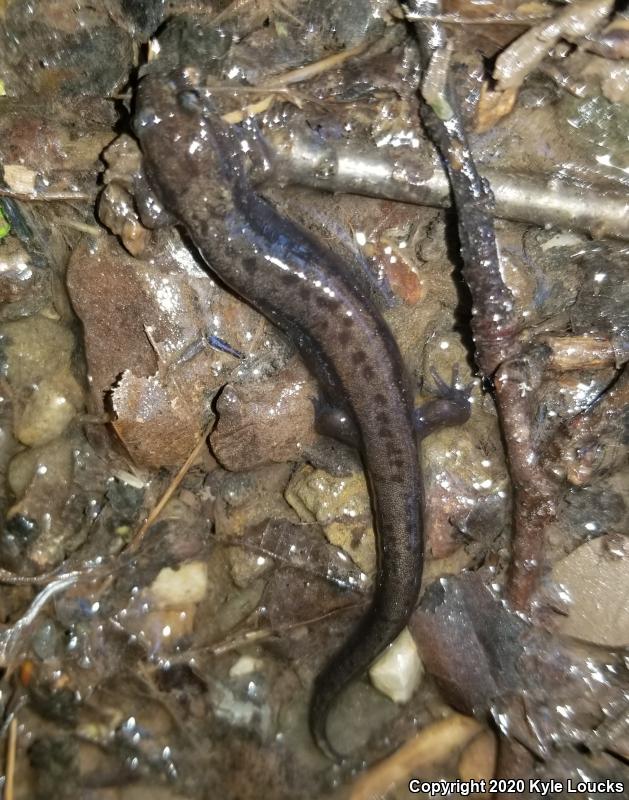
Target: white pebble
{"x": 245, "y": 666}
{"x": 398, "y": 672}
{"x": 178, "y": 587}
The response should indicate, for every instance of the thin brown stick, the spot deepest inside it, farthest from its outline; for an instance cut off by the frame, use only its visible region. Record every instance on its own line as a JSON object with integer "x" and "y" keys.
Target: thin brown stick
{"x": 498, "y": 19}
{"x": 170, "y": 490}
{"x": 13, "y": 579}
{"x": 260, "y": 635}
{"x": 10, "y": 768}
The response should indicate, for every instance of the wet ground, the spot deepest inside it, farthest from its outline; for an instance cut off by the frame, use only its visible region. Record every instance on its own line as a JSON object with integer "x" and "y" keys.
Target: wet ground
{"x": 182, "y": 550}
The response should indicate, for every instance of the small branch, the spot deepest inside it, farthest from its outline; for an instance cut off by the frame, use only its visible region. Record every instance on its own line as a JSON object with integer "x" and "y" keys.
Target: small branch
{"x": 493, "y": 322}
{"x": 279, "y": 83}
{"x": 494, "y": 19}
{"x": 303, "y": 160}
{"x": 498, "y": 352}
{"x": 313, "y": 69}
{"x": 529, "y": 50}
{"x": 534, "y": 495}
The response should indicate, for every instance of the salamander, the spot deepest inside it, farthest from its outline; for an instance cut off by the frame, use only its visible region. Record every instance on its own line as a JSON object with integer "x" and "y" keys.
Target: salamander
{"x": 195, "y": 163}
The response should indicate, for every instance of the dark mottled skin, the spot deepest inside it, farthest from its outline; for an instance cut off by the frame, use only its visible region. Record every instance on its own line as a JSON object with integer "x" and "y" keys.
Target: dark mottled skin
{"x": 194, "y": 163}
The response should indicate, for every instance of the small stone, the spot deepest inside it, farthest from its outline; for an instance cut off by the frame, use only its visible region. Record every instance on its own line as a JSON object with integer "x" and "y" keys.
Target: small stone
{"x": 46, "y": 641}
{"x": 493, "y": 106}
{"x": 245, "y": 666}
{"x": 36, "y": 347}
{"x": 318, "y": 496}
{"x": 49, "y": 409}
{"x": 177, "y": 587}
{"x": 52, "y": 461}
{"x": 341, "y": 505}
{"x": 20, "y": 179}
{"x": 398, "y": 672}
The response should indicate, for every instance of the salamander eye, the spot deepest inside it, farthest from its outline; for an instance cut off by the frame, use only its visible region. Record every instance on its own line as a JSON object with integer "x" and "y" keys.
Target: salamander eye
{"x": 189, "y": 100}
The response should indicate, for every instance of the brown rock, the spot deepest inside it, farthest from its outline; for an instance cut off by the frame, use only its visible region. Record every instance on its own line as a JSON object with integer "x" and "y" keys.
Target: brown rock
{"x": 265, "y": 422}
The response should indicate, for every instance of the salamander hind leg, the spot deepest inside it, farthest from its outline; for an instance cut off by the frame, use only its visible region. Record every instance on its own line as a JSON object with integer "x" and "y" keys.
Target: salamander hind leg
{"x": 336, "y": 423}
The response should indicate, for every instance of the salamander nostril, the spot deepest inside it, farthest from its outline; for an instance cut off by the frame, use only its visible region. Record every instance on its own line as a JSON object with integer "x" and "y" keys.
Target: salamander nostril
{"x": 189, "y": 100}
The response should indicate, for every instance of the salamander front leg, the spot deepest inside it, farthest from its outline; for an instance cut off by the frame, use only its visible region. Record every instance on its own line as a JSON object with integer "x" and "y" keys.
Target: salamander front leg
{"x": 449, "y": 406}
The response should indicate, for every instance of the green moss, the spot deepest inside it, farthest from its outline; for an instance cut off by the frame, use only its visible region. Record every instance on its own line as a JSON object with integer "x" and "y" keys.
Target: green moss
{"x": 5, "y": 227}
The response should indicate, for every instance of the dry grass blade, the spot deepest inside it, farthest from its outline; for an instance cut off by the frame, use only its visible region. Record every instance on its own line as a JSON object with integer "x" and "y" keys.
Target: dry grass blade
{"x": 44, "y": 197}
{"x": 278, "y": 83}
{"x": 170, "y": 490}
{"x": 10, "y": 763}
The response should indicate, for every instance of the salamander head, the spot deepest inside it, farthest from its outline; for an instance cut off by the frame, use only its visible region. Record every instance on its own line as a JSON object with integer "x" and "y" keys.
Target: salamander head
{"x": 192, "y": 158}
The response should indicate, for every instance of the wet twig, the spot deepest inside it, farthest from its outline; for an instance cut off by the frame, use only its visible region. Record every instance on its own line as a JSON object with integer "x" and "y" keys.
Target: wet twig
{"x": 499, "y": 353}
{"x": 529, "y": 50}
{"x": 304, "y": 160}
{"x": 13, "y": 579}
{"x": 494, "y": 19}
{"x": 12, "y": 635}
{"x": 45, "y": 197}
{"x": 264, "y": 634}
{"x": 280, "y": 83}
{"x": 170, "y": 490}
{"x": 10, "y": 761}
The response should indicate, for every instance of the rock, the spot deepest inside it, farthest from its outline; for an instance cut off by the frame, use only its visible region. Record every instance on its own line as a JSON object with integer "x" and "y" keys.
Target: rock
{"x": 38, "y": 353}
{"x": 52, "y": 48}
{"x": 36, "y": 348}
{"x": 341, "y": 505}
{"x": 36, "y": 527}
{"x": 52, "y": 461}
{"x": 466, "y": 484}
{"x": 267, "y": 421}
{"x": 245, "y": 666}
{"x": 24, "y": 288}
{"x": 182, "y": 586}
{"x": 163, "y": 630}
{"x": 54, "y": 403}
{"x": 54, "y": 148}
{"x": 398, "y": 672}
{"x": 164, "y": 613}
{"x": 247, "y": 499}
{"x": 596, "y": 578}
{"x": 116, "y": 210}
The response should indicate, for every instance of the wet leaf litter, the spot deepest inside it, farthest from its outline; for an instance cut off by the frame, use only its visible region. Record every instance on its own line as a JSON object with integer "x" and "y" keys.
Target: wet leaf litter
{"x": 169, "y": 596}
